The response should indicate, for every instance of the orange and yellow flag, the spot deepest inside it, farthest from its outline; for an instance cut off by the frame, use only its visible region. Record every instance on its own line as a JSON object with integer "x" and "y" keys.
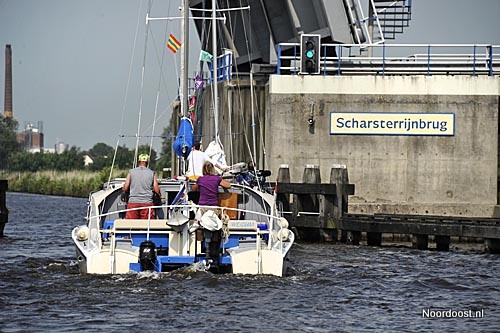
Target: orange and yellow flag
{"x": 173, "y": 44}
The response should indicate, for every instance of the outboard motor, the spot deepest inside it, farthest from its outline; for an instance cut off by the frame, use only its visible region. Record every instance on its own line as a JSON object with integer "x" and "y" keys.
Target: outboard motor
{"x": 213, "y": 243}
{"x": 147, "y": 255}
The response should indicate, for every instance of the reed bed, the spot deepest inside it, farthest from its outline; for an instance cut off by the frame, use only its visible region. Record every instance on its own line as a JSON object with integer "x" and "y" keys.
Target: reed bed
{"x": 76, "y": 183}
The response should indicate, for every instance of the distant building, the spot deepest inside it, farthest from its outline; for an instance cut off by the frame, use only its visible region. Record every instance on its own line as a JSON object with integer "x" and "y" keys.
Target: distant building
{"x": 61, "y": 147}
{"x": 87, "y": 160}
{"x": 32, "y": 138}
{"x": 8, "y": 82}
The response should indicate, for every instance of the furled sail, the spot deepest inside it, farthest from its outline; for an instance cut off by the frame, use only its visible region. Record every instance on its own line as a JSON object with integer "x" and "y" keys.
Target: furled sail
{"x": 185, "y": 138}
{"x": 215, "y": 152}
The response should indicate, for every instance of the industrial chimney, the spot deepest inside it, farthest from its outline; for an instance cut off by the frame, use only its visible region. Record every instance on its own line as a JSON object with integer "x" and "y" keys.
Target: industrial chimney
{"x": 8, "y": 82}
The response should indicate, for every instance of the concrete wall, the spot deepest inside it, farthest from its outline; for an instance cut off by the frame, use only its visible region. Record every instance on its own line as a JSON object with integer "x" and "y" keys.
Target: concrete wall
{"x": 454, "y": 175}
{"x": 235, "y": 119}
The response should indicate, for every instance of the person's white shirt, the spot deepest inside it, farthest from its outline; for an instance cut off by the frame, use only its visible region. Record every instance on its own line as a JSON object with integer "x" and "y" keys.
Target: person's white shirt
{"x": 196, "y": 159}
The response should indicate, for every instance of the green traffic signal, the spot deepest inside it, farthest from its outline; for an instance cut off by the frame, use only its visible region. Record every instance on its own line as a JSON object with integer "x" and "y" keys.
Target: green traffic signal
{"x": 310, "y": 51}
{"x": 310, "y": 54}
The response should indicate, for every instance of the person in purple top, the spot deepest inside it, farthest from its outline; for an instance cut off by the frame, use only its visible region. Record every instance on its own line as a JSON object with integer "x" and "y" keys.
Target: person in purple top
{"x": 208, "y": 185}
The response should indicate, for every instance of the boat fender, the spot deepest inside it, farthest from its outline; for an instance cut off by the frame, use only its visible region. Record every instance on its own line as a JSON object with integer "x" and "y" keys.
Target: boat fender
{"x": 281, "y": 235}
{"x": 147, "y": 255}
{"x": 283, "y": 223}
{"x": 83, "y": 233}
{"x": 211, "y": 221}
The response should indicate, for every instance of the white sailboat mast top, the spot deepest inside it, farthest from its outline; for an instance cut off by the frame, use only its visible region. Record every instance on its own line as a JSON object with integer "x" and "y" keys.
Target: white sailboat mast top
{"x": 184, "y": 58}
{"x": 214, "y": 69}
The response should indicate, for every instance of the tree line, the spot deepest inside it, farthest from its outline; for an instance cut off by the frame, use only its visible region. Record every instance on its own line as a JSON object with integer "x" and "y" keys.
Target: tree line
{"x": 14, "y": 158}
{"x": 66, "y": 173}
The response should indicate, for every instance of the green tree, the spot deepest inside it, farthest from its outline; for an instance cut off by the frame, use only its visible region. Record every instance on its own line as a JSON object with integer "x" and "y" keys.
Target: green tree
{"x": 22, "y": 161}
{"x": 165, "y": 160}
{"x": 124, "y": 158}
{"x": 8, "y": 140}
{"x": 102, "y": 154}
{"x": 69, "y": 160}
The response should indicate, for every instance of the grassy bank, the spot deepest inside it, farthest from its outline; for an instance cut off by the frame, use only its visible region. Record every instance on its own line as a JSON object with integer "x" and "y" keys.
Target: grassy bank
{"x": 73, "y": 183}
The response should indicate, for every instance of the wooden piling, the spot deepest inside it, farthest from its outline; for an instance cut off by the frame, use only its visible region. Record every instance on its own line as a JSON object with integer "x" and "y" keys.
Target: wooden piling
{"x": 340, "y": 177}
{"x": 283, "y": 174}
{"x": 4, "y": 213}
{"x": 316, "y": 209}
{"x": 309, "y": 202}
{"x": 311, "y": 174}
{"x": 305, "y": 203}
{"x": 284, "y": 177}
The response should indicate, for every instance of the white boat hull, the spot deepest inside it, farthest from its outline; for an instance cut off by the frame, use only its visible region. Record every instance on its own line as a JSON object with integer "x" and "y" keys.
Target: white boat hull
{"x": 112, "y": 245}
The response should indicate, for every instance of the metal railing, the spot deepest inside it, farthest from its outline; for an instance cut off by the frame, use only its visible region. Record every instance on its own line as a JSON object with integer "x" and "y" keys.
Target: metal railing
{"x": 224, "y": 67}
{"x": 396, "y": 59}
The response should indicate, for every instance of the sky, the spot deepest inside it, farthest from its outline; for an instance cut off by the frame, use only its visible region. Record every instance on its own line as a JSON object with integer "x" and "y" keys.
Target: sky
{"x": 72, "y": 59}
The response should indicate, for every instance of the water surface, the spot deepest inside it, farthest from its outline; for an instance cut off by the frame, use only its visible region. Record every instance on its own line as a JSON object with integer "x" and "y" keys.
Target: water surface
{"x": 329, "y": 288}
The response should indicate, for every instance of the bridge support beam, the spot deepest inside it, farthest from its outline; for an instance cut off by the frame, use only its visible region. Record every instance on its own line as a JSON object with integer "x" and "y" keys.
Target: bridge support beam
{"x": 492, "y": 245}
{"x": 442, "y": 242}
{"x": 420, "y": 242}
{"x": 374, "y": 238}
{"x": 354, "y": 237}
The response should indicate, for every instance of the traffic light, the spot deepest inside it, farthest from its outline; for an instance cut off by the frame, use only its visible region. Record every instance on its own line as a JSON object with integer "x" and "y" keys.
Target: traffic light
{"x": 309, "y": 54}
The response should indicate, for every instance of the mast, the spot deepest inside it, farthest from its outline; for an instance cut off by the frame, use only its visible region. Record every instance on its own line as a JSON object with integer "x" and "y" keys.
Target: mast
{"x": 214, "y": 69}
{"x": 184, "y": 58}
{"x": 253, "y": 117}
{"x": 184, "y": 68}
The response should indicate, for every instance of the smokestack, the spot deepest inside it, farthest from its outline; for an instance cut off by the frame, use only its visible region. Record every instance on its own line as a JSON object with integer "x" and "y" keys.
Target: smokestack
{"x": 8, "y": 82}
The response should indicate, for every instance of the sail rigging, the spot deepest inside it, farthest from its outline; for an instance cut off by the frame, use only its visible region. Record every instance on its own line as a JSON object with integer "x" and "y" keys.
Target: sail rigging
{"x": 221, "y": 35}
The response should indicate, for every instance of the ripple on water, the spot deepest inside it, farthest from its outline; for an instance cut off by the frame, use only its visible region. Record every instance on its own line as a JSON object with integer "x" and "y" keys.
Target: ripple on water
{"x": 329, "y": 287}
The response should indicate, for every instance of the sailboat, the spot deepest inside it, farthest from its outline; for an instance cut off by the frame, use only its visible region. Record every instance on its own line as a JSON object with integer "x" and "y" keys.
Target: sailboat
{"x": 249, "y": 236}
